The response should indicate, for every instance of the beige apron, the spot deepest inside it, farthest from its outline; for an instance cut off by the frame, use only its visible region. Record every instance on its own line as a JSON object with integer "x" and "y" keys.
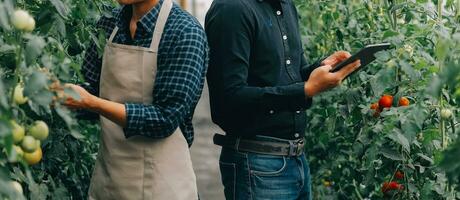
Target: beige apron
{"x": 138, "y": 167}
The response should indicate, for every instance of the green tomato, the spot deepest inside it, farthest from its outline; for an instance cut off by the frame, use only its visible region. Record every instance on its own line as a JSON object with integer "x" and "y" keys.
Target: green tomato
{"x": 17, "y": 187}
{"x": 20, "y": 19}
{"x": 446, "y": 114}
{"x": 18, "y": 150}
{"x": 39, "y": 130}
{"x": 18, "y": 132}
{"x": 30, "y": 24}
{"x": 29, "y": 144}
{"x": 19, "y": 95}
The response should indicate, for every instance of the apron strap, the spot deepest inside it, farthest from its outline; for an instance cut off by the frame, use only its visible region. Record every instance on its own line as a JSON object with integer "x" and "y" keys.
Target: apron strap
{"x": 160, "y": 25}
{"x": 114, "y": 32}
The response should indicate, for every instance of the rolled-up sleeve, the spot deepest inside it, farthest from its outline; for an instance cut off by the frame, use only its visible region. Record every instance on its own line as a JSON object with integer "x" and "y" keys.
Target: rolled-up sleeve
{"x": 178, "y": 83}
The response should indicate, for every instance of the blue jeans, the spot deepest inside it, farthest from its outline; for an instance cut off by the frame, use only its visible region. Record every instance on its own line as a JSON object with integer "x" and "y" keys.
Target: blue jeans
{"x": 251, "y": 176}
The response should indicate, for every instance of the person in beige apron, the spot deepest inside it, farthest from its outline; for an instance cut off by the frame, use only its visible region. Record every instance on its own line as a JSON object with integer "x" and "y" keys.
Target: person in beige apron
{"x": 138, "y": 167}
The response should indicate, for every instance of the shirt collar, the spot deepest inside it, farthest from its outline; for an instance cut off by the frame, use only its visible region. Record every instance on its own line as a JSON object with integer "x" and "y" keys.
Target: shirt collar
{"x": 147, "y": 22}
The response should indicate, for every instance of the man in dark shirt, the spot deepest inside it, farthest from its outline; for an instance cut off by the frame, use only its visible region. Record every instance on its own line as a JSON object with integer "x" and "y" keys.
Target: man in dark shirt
{"x": 260, "y": 86}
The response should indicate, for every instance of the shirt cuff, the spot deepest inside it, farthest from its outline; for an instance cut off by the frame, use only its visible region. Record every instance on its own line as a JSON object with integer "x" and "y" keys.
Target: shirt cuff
{"x": 134, "y": 119}
{"x": 301, "y": 99}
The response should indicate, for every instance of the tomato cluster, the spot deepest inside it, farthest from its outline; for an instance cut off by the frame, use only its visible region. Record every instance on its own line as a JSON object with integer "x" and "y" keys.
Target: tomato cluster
{"x": 28, "y": 147}
{"x": 386, "y": 101}
{"x": 388, "y": 187}
{"x": 391, "y": 186}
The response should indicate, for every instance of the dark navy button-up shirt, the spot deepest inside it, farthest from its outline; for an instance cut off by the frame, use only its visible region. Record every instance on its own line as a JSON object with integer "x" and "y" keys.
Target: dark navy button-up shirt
{"x": 257, "y": 68}
{"x": 182, "y": 64}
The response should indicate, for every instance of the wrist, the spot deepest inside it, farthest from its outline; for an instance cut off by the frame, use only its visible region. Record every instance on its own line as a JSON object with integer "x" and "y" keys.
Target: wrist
{"x": 309, "y": 90}
{"x": 93, "y": 103}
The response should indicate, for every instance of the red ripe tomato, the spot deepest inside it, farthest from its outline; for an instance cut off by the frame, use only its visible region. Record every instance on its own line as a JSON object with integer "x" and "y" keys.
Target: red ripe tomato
{"x": 386, "y": 101}
{"x": 393, "y": 185}
{"x": 374, "y": 106}
{"x": 399, "y": 175}
{"x": 403, "y": 101}
{"x": 385, "y": 187}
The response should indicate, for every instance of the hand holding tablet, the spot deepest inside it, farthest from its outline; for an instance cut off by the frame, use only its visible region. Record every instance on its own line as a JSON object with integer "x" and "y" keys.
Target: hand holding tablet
{"x": 365, "y": 55}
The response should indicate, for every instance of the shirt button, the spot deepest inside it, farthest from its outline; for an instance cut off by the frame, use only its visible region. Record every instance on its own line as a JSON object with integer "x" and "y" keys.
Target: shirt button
{"x": 288, "y": 62}
{"x": 278, "y": 13}
{"x": 272, "y": 111}
{"x": 284, "y": 37}
{"x": 296, "y": 135}
{"x": 298, "y": 112}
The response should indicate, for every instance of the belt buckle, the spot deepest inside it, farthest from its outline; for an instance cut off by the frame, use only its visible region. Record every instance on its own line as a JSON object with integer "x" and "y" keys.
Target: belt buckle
{"x": 299, "y": 147}
{"x": 295, "y": 149}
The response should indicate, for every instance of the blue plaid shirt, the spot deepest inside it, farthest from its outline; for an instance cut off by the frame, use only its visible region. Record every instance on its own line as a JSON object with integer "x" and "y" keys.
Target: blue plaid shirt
{"x": 182, "y": 64}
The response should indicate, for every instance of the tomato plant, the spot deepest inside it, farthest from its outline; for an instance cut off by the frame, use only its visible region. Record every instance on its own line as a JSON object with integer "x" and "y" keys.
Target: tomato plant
{"x": 45, "y": 153}
{"x": 364, "y": 152}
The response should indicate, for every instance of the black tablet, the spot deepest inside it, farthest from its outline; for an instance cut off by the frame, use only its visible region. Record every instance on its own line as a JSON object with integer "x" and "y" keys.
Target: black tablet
{"x": 366, "y": 55}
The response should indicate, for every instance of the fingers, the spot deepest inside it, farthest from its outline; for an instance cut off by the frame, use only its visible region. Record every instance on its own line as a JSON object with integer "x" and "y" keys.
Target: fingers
{"x": 342, "y": 55}
{"x": 350, "y": 68}
{"x": 326, "y": 68}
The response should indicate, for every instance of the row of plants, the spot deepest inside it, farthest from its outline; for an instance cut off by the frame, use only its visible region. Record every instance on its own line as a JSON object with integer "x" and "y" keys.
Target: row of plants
{"x": 390, "y": 131}
{"x": 45, "y": 152}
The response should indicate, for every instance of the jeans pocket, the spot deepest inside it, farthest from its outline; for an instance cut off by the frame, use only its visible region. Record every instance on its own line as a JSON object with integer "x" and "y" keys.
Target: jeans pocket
{"x": 228, "y": 172}
{"x": 266, "y": 165}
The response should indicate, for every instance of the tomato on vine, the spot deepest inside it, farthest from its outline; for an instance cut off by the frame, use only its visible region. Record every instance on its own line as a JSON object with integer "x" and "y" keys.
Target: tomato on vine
{"x": 393, "y": 185}
{"x": 39, "y": 130}
{"x": 399, "y": 175}
{"x": 29, "y": 144}
{"x": 446, "y": 114}
{"x": 386, "y": 101}
{"x": 18, "y": 132}
{"x": 403, "y": 101}
{"x": 18, "y": 94}
{"x": 23, "y": 21}
{"x": 34, "y": 157}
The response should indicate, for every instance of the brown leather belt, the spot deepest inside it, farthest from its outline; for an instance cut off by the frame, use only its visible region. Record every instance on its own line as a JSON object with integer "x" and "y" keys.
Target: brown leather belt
{"x": 279, "y": 148}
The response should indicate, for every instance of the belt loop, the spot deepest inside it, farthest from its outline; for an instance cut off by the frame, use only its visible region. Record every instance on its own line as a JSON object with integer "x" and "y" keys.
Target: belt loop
{"x": 237, "y": 143}
{"x": 292, "y": 150}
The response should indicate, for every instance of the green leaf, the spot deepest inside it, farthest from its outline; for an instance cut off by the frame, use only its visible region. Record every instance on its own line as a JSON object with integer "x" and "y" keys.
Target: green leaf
{"x": 442, "y": 49}
{"x": 400, "y": 139}
{"x": 35, "y": 83}
{"x": 4, "y": 48}
{"x": 3, "y": 98}
{"x": 72, "y": 93}
{"x": 64, "y": 114}
{"x": 409, "y": 70}
{"x": 425, "y": 157}
{"x": 384, "y": 79}
{"x": 391, "y": 154}
{"x": 4, "y": 17}
{"x": 62, "y": 8}
{"x": 389, "y": 33}
{"x": 34, "y": 48}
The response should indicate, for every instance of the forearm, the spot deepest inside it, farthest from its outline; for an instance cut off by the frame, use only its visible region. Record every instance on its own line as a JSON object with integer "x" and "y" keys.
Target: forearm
{"x": 113, "y": 111}
{"x": 281, "y": 97}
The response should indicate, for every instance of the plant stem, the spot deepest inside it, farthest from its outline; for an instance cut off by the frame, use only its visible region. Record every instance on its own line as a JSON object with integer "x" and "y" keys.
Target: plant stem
{"x": 440, "y": 2}
{"x": 442, "y": 122}
{"x": 356, "y": 190}
{"x": 18, "y": 63}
